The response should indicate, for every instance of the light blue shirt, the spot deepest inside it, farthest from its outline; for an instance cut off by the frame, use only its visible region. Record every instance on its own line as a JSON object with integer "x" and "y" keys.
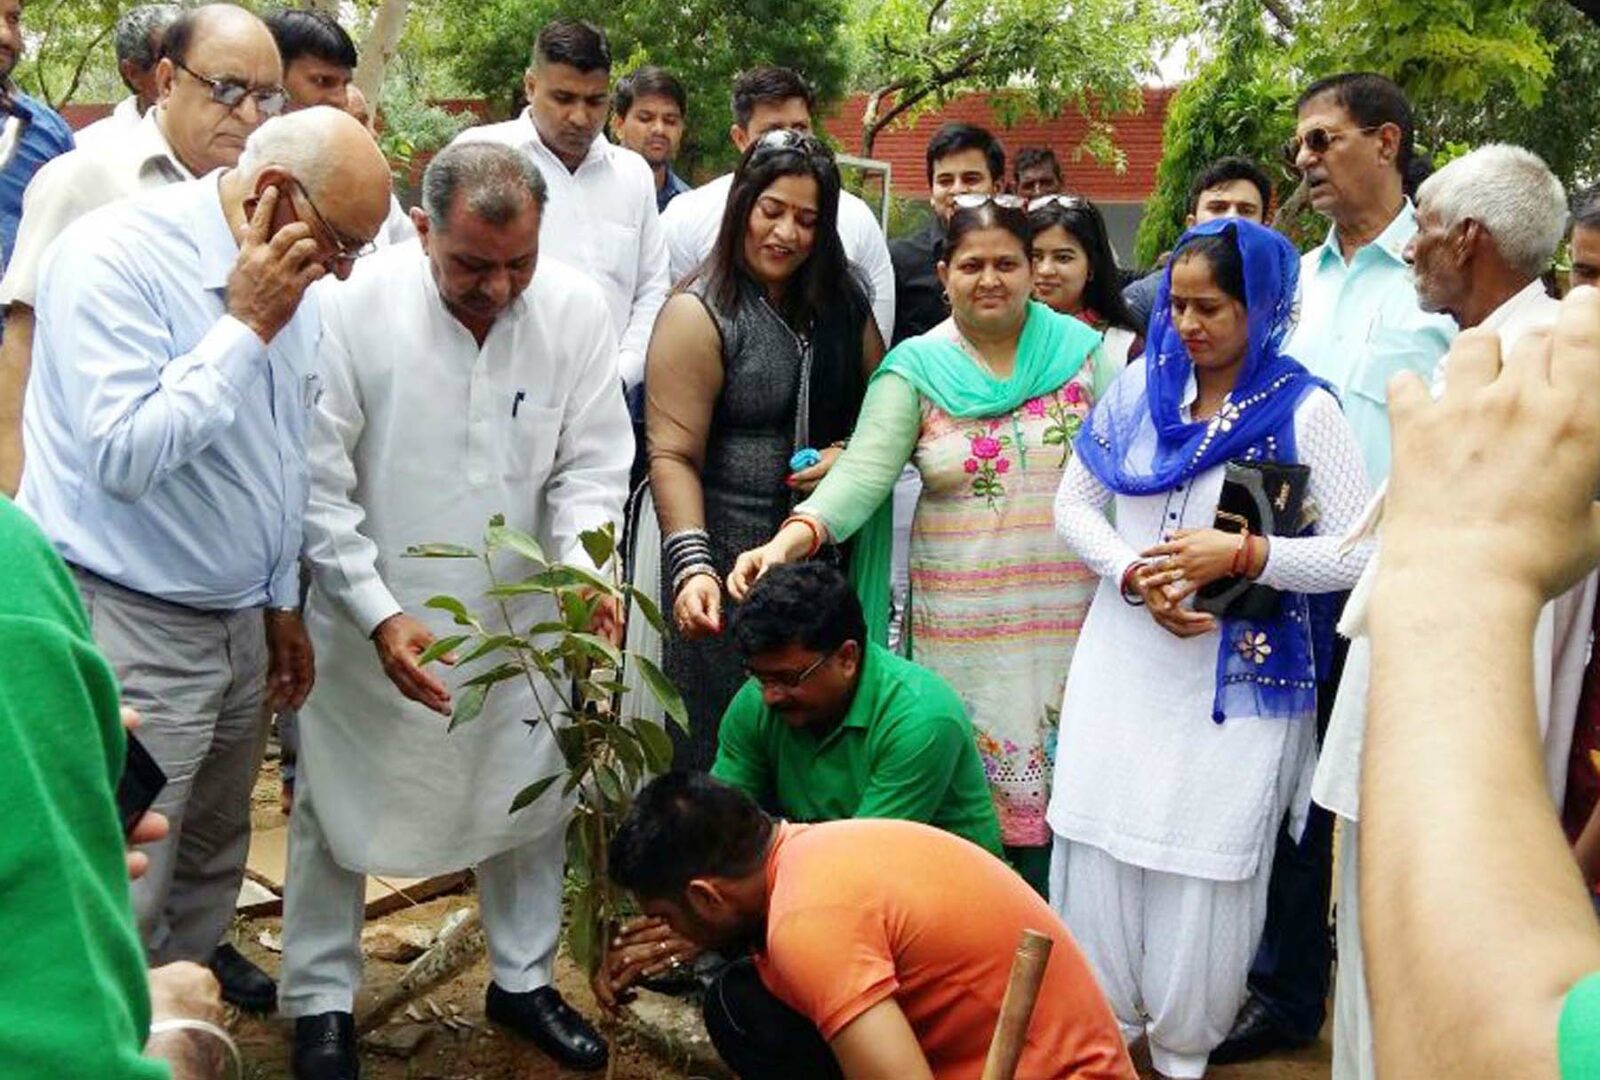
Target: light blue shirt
{"x": 1360, "y": 324}
{"x": 165, "y": 443}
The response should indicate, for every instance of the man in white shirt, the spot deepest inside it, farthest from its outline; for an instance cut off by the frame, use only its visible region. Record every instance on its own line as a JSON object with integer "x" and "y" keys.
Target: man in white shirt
{"x": 769, "y": 99}
{"x": 138, "y": 35}
{"x": 603, "y": 216}
{"x": 489, "y": 385}
{"x": 165, "y": 428}
{"x": 210, "y": 53}
{"x": 1488, "y": 225}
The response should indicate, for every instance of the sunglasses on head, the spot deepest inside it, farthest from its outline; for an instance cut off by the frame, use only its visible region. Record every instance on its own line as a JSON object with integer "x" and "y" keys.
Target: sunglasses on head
{"x": 973, "y": 200}
{"x": 230, "y": 93}
{"x": 1319, "y": 139}
{"x": 1066, "y": 202}
{"x": 787, "y": 140}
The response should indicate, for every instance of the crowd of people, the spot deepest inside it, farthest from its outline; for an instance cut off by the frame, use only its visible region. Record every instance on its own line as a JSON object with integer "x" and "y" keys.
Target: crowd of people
{"x": 1008, "y": 589}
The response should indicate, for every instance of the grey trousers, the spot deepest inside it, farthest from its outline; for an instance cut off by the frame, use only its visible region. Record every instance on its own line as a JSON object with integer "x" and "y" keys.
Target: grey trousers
{"x": 198, "y": 680}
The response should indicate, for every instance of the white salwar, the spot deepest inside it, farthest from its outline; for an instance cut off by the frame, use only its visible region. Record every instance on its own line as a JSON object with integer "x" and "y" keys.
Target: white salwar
{"x": 1560, "y": 652}
{"x": 421, "y": 435}
{"x": 1163, "y": 819}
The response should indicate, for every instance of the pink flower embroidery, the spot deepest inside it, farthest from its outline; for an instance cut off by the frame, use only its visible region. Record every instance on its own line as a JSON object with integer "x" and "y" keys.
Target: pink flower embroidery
{"x": 1073, "y": 393}
{"x": 1035, "y": 407}
{"x": 971, "y": 465}
{"x": 985, "y": 447}
{"x": 1002, "y": 465}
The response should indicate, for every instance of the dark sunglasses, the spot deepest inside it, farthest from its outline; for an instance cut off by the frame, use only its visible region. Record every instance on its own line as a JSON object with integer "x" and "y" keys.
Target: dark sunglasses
{"x": 1318, "y": 140}
{"x": 231, "y": 93}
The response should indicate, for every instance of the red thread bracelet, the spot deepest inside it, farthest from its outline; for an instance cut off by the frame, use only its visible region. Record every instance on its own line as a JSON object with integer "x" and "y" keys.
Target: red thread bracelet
{"x": 816, "y": 533}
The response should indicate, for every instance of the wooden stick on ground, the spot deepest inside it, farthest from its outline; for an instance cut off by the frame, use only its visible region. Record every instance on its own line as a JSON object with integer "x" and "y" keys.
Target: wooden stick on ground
{"x": 1016, "y": 1008}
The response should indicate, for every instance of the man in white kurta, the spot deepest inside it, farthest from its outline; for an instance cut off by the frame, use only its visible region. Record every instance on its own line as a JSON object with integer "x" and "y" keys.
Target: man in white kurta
{"x": 1487, "y": 226}
{"x": 466, "y": 376}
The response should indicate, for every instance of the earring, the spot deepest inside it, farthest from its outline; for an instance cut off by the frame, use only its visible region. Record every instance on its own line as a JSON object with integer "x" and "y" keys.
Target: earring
{"x": 944, "y": 294}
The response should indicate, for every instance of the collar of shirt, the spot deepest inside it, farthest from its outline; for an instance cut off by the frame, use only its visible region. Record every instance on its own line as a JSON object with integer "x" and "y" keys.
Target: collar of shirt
{"x": 1525, "y": 306}
{"x": 1390, "y": 243}
{"x": 599, "y": 151}
{"x": 213, "y": 239}
{"x": 148, "y": 149}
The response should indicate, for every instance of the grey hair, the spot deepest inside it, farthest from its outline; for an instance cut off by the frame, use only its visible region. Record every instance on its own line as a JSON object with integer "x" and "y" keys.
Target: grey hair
{"x": 495, "y": 180}
{"x": 1512, "y": 193}
{"x": 293, "y": 141}
{"x": 137, "y": 26}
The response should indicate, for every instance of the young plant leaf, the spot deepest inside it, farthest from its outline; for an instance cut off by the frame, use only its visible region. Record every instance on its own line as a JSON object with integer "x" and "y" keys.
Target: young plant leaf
{"x": 497, "y": 674}
{"x": 469, "y": 703}
{"x": 599, "y": 544}
{"x": 656, "y": 743}
{"x": 456, "y": 608}
{"x": 514, "y": 539}
{"x": 665, "y": 692}
{"x": 599, "y": 648}
{"x": 488, "y": 645}
{"x": 647, "y": 607}
{"x": 530, "y": 794}
{"x": 441, "y": 646}
{"x": 439, "y": 551}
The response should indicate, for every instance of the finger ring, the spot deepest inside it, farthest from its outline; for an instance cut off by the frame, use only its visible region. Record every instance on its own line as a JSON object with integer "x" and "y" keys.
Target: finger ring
{"x": 673, "y": 963}
{"x": 662, "y": 947}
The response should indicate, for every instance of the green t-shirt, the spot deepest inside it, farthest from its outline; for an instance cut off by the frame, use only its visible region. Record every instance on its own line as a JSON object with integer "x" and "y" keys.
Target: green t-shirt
{"x": 74, "y": 996}
{"x": 904, "y": 750}
{"x": 1578, "y": 1039}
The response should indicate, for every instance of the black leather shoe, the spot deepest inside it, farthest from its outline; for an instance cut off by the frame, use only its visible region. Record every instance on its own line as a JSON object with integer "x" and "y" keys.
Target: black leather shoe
{"x": 325, "y": 1047}
{"x": 552, "y": 1025}
{"x": 243, "y": 984}
{"x": 1254, "y": 1035}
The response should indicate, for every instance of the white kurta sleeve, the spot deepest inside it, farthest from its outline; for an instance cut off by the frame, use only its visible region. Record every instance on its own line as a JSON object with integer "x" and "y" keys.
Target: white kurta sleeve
{"x": 868, "y": 252}
{"x": 650, "y": 289}
{"x": 589, "y": 478}
{"x": 1338, "y": 489}
{"x": 681, "y": 229}
{"x": 1081, "y": 503}
{"x": 343, "y": 558}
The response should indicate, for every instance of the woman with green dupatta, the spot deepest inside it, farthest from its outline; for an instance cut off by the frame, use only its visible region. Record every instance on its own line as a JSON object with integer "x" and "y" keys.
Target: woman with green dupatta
{"x": 986, "y": 406}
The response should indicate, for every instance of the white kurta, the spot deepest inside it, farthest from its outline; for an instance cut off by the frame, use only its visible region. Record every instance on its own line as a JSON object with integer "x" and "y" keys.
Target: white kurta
{"x": 1142, "y": 771}
{"x": 421, "y": 436}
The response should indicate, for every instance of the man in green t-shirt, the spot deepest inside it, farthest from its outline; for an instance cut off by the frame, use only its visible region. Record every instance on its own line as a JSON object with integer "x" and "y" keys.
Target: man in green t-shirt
{"x": 831, "y": 727}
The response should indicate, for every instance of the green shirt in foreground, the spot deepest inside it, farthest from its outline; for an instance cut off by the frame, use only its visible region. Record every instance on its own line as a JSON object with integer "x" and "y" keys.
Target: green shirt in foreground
{"x": 74, "y": 997}
{"x": 1578, "y": 1040}
{"x": 904, "y": 750}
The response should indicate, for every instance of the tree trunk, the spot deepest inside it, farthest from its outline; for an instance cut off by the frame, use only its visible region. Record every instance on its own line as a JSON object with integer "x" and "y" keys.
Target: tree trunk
{"x": 380, "y": 45}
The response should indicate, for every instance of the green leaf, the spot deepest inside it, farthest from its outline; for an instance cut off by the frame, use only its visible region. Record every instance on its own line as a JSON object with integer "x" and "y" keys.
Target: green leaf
{"x": 569, "y": 740}
{"x": 664, "y": 691}
{"x": 439, "y": 551}
{"x": 599, "y": 648}
{"x": 456, "y": 608}
{"x": 497, "y": 674}
{"x": 548, "y": 581}
{"x": 599, "y": 544}
{"x": 530, "y": 794}
{"x": 489, "y": 644}
{"x": 509, "y": 536}
{"x": 656, "y": 743}
{"x": 610, "y": 785}
{"x": 647, "y": 607}
{"x": 441, "y": 646}
{"x": 577, "y": 610}
{"x": 469, "y": 703}
{"x": 583, "y": 932}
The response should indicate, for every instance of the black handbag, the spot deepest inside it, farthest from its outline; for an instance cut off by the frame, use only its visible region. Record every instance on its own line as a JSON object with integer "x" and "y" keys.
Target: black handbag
{"x": 1268, "y": 498}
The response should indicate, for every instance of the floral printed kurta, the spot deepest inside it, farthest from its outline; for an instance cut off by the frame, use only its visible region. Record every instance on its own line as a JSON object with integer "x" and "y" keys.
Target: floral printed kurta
{"x": 997, "y": 599}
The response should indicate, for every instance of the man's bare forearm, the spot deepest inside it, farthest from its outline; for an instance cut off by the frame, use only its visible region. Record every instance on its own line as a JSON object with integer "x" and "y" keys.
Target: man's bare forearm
{"x": 16, "y": 360}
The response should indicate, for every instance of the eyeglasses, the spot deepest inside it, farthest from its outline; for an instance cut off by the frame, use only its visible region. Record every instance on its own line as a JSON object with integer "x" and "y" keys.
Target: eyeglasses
{"x": 972, "y": 200}
{"x": 344, "y": 247}
{"x": 1318, "y": 140}
{"x": 786, "y": 681}
{"x": 231, "y": 93}
{"x": 1066, "y": 202}
{"x": 788, "y": 140}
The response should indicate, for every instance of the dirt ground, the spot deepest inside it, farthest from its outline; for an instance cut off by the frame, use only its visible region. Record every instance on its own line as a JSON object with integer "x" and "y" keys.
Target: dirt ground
{"x": 483, "y": 1052}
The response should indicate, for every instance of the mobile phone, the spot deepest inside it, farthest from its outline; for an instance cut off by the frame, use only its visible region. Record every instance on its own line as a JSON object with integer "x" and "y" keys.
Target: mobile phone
{"x": 142, "y": 780}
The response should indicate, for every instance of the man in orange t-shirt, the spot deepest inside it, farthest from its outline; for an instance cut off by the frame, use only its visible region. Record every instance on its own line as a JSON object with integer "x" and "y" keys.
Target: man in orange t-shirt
{"x": 882, "y": 948}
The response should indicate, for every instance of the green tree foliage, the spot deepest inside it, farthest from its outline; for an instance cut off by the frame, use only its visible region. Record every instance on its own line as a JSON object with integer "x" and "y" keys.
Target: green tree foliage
{"x": 704, "y": 42}
{"x": 70, "y": 52}
{"x": 1089, "y": 55}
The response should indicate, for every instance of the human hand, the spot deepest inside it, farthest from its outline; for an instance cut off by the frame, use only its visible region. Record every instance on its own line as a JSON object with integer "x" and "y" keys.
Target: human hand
{"x": 400, "y": 639}
{"x": 789, "y": 543}
{"x": 187, "y": 991}
{"x": 1192, "y": 558}
{"x": 150, "y": 827}
{"x": 291, "y": 663}
{"x": 1152, "y": 583}
{"x": 1495, "y": 481}
{"x": 806, "y": 480}
{"x": 644, "y": 948}
{"x": 697, "y": 609}
{"x": 607, "y": 620}
{"x": 273, "y": 270}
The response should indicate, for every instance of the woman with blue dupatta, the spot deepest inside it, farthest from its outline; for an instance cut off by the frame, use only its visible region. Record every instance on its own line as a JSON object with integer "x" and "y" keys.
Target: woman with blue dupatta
{"x": 1186, "y": 737}
{"x": 985, "y": 405}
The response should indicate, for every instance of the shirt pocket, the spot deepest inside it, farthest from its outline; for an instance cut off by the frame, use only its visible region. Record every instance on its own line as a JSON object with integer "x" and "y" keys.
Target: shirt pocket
{"x": 616, "y": 247}
{"x": 1388, "y": 352}
{"x": 531, "y": 442}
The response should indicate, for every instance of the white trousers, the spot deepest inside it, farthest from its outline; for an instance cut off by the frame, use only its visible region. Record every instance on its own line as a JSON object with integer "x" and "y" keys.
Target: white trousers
{"x": 1172, "y": 952}
{"x": 1353, "y": 1055}
{"x": 519, "y": 898}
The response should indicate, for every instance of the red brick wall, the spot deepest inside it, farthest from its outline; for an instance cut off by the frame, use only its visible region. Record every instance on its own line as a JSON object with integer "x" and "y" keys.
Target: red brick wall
{"x": 1138, "y": 135}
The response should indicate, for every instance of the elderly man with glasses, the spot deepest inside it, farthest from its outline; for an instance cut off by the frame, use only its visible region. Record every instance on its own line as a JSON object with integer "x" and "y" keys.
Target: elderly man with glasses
{"x": 218, "y": 79}
{"x": 165, "y": 428}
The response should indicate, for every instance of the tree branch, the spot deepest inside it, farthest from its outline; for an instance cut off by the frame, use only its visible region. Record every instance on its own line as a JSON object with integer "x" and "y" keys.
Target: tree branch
{"x": 1280, "y": 12}
{"x": 933, "y": 14}
{"x": 78, "y": 68}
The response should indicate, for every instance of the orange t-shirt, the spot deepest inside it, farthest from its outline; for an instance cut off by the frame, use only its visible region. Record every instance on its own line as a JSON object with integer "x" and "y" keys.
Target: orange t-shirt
{"x": 863, "y": 910}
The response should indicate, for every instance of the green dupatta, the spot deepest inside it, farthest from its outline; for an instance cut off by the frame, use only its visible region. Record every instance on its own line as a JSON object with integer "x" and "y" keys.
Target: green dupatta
{"x": 1050, "y": 351}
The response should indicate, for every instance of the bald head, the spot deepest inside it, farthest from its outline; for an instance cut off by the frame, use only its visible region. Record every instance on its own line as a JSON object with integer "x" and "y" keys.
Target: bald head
{"x": 208, "y": 50}
{"x": 356, "y": 105}
{"x": 332, "y": 168}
